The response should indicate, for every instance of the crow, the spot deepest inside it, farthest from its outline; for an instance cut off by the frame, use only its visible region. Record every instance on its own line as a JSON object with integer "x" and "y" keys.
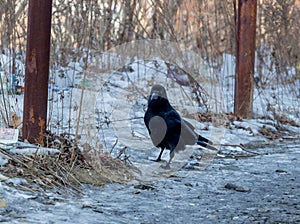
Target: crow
{"x": 165, "y": 126}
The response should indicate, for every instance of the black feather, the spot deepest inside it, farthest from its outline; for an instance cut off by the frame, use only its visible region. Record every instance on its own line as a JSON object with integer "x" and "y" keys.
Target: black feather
{"x": 165, "y": 126}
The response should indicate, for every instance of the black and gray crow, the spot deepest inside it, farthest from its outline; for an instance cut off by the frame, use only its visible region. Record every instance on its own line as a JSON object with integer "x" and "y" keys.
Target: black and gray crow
{"x": 165, "y": 126}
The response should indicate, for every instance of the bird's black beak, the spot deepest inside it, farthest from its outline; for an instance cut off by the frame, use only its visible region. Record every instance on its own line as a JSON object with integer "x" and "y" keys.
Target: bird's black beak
{"x": 153, "y": 96}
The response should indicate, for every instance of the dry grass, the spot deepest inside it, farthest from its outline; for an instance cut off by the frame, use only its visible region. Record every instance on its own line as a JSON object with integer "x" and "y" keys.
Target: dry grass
{"x": 62, "y": 174}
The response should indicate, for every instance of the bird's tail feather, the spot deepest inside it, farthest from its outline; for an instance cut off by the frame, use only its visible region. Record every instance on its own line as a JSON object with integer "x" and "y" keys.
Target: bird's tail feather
{"x": 206, "y": 143}
{"x": 204, "y": 140}
{"x": 202, "y": 143}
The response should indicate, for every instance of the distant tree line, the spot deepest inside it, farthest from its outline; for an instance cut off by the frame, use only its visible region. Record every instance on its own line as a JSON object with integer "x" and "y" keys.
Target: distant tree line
{"x": 208, "y": 27}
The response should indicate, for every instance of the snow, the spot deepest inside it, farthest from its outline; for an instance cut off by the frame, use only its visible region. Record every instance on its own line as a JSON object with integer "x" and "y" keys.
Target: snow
{"x": 16, "y": 181}
{"x": 113, "y": 107}
{"x": 3, "y": 160}
{"x": 6, "y": 63}
{"x": 115, "y": 98}
{"x": 30, "y": 149}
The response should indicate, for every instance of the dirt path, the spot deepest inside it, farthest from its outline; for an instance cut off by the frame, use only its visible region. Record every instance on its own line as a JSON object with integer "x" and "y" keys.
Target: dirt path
{"x": 260, "y": 189}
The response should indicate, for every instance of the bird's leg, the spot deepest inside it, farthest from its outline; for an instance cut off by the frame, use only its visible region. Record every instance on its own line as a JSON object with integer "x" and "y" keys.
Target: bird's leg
{"x": 159, "y": 156}
{"x": 172, "y": 154}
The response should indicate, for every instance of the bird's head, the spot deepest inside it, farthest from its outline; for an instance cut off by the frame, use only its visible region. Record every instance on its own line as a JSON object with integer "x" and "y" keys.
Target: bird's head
{"x": 158, "y": 92}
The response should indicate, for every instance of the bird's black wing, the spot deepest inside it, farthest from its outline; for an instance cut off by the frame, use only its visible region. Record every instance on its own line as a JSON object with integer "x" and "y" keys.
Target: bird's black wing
{"x": 157, "y": 130}
{"x": 173, "y": 134}
{"x": 198, "y": 137}
{"x": 172, "y": 119}
{"x": 187, "y": 133}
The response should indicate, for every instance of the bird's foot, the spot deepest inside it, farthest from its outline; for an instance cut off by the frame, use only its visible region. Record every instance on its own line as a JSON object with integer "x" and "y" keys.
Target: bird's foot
{"x": 156, "y": 160}
{"x": 167, "y": 166}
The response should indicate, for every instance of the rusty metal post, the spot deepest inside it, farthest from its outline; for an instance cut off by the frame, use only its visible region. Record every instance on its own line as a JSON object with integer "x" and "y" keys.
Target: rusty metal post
{"x": 37, "y": 71}
{"x": 246, "y": 33}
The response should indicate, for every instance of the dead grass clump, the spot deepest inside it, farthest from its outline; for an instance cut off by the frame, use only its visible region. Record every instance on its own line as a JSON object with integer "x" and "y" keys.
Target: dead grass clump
{"x": 54, "y": 172}
{"x": 112, "y": 170}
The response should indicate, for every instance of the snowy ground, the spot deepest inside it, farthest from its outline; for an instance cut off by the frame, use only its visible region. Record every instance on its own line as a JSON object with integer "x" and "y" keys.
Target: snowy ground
{"x": 256, "y": 183}
{"x": 259, "y": 189}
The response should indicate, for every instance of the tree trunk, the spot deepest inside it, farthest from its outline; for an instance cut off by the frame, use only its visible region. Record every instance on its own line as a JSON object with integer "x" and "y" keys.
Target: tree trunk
{"x": 243, "y": 102}
{"x": 37, "y": 71}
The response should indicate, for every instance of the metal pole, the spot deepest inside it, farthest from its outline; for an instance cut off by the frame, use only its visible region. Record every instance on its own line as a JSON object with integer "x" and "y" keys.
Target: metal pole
{"x": 246, "y": 33}
{"x": 37, "y": 71}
